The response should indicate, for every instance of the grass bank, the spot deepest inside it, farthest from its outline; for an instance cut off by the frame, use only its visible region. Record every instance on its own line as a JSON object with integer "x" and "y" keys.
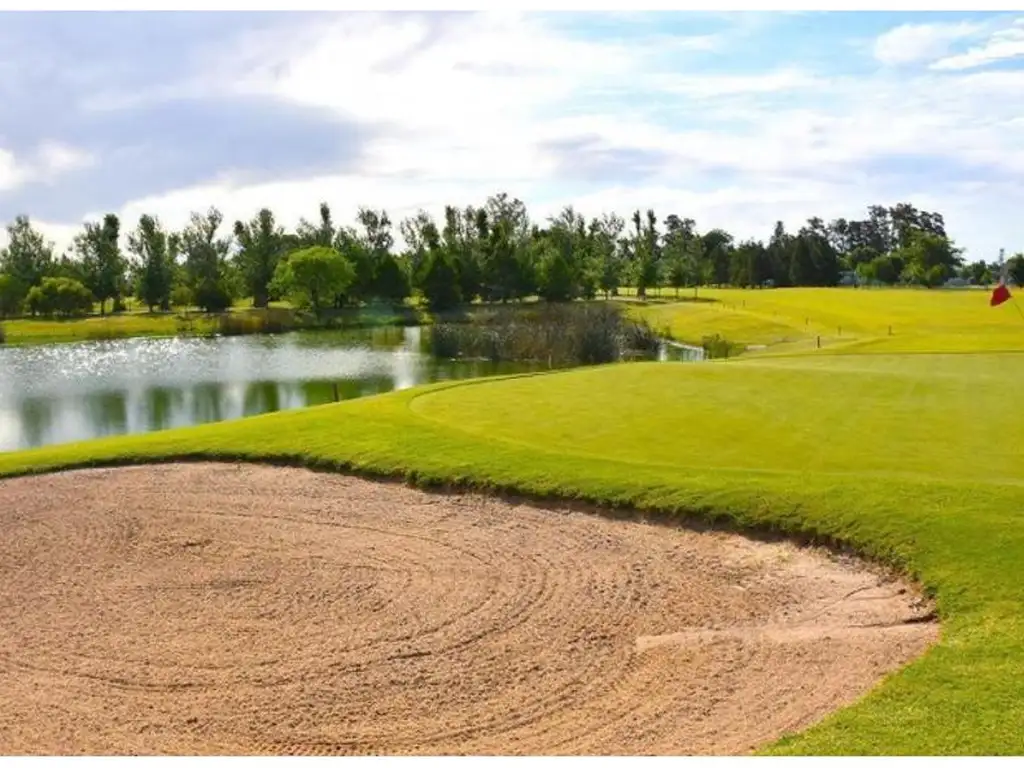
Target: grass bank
{"x": 238, "y": 321}
{"x": 897, "y": 456}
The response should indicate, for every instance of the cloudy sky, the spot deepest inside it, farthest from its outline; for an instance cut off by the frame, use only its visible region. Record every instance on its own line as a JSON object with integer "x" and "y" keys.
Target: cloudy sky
{"x": 735, "y": 120}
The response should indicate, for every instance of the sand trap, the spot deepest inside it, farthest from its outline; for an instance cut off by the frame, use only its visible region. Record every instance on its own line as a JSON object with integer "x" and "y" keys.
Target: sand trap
{"x": 208, "y": 608}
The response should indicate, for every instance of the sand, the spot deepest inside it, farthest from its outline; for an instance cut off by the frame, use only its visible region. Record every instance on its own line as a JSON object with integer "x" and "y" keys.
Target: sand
{"x": 236, "y": 609}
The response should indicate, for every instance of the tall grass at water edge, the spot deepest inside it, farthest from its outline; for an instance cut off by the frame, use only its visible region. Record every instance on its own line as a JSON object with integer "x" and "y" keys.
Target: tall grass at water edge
{"x": 559, "y": 334}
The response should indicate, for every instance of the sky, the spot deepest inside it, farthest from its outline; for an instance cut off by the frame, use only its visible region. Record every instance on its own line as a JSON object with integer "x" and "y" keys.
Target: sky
{"x": 736, "y": 120}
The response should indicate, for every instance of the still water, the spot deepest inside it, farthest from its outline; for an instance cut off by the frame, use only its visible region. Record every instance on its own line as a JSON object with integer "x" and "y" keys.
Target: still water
{"x": 66, "y": 392}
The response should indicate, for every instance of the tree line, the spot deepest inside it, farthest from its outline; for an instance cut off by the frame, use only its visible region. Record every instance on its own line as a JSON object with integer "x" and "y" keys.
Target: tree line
{"x": 492, "y": 253}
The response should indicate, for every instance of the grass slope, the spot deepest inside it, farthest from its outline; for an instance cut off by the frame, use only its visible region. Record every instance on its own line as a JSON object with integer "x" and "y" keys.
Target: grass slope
{"x": 846, "y": 319}
{"x": 912, "y": 459}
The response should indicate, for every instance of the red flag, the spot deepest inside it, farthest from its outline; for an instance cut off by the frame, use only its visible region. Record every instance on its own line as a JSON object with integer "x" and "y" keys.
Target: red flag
{"x": 999, "y": 295}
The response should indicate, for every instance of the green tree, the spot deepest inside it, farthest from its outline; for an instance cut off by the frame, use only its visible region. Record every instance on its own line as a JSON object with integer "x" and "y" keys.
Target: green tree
{"x": 102, "y": 262}
{"x": 555, "y": 279}
{"x": 646, "y": 253}
{"x": 438, "y": 276}
{"x": 262, "y": 244}
{"x": 28, "y": 257}
{"x": 1015, "y": 268}
{"x": 929, "y": 258}
{"x": 391, "y": 281}
{"x": 155, "y": 266}
{"x": 11, "y": 296}
{"x": 312, "y": 277}
{"x": 59, "y": 296}
{"x": 206, "y": 256}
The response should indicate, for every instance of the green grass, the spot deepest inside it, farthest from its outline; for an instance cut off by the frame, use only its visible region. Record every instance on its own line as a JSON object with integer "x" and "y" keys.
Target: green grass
{"x": 123, "y": 326}
{"x": 791, "y": 319}
{"x": 914, "y": 459}
{"x": 142, "y": 323}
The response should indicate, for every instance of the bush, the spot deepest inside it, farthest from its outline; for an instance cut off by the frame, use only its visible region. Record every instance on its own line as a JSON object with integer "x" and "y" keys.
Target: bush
{"x": 213, "y": 296}
{"x": 60, "y": 296}
{"x": 3, "y": 335}
{"x": 559, "y": 334}
{"x": 181, "y": 296}
{"x": 716, "y": 346}
{"x": 253, "y": 322}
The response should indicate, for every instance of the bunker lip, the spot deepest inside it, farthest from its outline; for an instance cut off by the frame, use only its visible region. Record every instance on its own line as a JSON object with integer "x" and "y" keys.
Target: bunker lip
{"x": 216, "y": 608}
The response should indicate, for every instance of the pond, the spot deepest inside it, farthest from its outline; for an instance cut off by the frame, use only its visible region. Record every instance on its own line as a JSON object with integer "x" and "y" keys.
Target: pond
{"x": 67, "y": 392}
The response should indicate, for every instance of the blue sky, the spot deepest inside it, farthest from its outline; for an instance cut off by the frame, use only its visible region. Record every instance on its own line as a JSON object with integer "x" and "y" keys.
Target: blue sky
{"x": 733, "y": 119}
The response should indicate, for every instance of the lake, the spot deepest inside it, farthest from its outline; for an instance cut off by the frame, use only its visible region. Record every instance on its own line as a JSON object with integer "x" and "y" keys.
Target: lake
{"x": 67, "y": 392}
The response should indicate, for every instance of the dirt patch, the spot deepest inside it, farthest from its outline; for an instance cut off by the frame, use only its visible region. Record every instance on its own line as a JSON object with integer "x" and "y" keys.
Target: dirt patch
{"x": 212, "y": 608}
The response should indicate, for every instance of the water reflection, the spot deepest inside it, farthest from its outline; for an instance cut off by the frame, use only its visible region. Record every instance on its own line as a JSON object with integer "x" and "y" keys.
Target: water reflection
{"x": 69, "y": 392}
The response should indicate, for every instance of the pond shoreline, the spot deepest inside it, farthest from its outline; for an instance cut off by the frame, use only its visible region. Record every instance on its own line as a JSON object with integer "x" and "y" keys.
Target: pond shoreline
{"x": 58, "y": 393}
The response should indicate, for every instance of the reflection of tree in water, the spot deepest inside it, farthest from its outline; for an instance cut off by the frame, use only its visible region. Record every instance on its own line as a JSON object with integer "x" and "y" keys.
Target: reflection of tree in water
{"x": 261, "y": 397}
{"x": 36, "y": 415}
{"x": 208, "y": 402}
{"x": 162, "y": 405}
{"x": 321, "y": 392}
{"x": 106, "y": 413}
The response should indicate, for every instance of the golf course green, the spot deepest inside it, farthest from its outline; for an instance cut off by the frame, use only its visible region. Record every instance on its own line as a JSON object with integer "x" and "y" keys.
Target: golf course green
{"x": 902, "y": 443}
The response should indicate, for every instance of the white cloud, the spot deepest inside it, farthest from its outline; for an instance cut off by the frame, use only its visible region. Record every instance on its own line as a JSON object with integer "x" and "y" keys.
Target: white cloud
{"x": 1003, "y": 44}
{"x": 11, "y": 172}
{"x": 911, "y": 43}
{"x": 50, "y": 160}
{"x": 479, "y": 104}
{"x": 55, "y": 158}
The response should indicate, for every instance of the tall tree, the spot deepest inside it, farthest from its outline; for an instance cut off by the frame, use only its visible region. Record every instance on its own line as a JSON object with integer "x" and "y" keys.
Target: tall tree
{"x": 262, "y": 244}
{"x": 102, "y": 262}
{"x": 206, "y": 257}
{"x": 28, "y": 257}
{"x": 148, "y": 243}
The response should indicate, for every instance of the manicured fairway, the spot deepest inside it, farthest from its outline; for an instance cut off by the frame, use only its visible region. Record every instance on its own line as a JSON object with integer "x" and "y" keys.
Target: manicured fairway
{"x": 861, "y": 319}
{"x": 915, "y": 459}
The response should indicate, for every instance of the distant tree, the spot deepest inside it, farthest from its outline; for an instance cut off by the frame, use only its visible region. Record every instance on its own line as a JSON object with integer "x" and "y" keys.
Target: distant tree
{"x": 11, "y": 296}
{"x": 929, "y": 258}
{"x": 206, "y": 261}
{"x": 27, "y": 258}
{"x": 148, "y": 243}
{"x": 555, "y": 273}
{"x": 979, "y": 272}
{"x": 103, "y": 264}
{"x": 312, "y": 277}
{"x": 1015, "y": 269}
{"x": 262, "y": 244}
{"x": 645, "y": 253}
{"x": 438, "y": 277}
{"x": 391, "y": 281}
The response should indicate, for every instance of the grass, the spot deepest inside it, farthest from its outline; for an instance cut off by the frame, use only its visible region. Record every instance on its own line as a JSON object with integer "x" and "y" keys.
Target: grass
{"x": 908, "y": 458}
{"x": 242, "y": 318}
{"x": 846, "y": 319}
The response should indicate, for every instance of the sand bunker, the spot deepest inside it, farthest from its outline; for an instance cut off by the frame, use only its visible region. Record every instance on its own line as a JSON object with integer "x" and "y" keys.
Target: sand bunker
{"x": 209, "y": 608}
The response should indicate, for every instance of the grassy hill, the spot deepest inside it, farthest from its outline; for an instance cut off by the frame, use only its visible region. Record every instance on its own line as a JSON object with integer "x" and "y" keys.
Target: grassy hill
{"x": 855, "y": 320}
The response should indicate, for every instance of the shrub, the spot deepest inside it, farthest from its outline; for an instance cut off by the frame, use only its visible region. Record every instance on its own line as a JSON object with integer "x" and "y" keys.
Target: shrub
{"x": 60, "y": 296}
{"x": 559, "y": 334}
{"x": 253, "y": 322}
{"x": 181, "y": 296}
{"x": 213, "y": 296}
